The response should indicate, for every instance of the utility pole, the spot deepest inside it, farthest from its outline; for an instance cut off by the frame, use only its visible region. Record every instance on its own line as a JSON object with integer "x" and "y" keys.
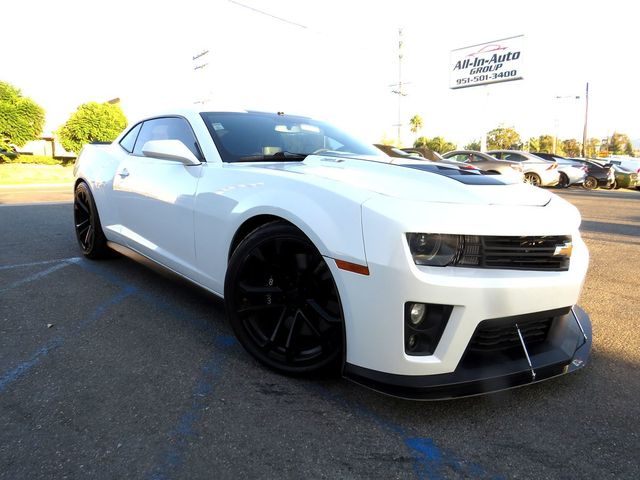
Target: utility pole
{"x": 201, "y": 67}
{"x": 400, "y": 92}
{"x": 586, "y": 121}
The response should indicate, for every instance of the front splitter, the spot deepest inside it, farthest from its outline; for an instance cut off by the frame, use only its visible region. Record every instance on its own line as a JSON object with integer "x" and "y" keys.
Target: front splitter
{"x": 465, "y": 382}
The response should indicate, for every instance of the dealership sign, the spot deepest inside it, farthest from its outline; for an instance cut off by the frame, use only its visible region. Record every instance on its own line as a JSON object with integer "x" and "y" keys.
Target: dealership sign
{"x": 491, "y": 62}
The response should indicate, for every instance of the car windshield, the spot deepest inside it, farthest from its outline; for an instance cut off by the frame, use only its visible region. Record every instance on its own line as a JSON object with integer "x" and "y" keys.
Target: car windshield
{"x": 257, "y": 136}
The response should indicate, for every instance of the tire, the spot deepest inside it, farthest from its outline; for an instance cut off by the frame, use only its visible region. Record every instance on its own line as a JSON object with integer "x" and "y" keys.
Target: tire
{"x": 564, "y": 181}
{"x": 87, "y": 224}
{"x": 532, "y": 179}
{"x": 613, "y": 186}
{"x": 282, "y": 302}
{"x": 590, "y": 183}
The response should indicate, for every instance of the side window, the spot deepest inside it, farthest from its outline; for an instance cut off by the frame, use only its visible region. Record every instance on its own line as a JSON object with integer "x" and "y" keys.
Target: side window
{"x": 514, "y": 157}
{"x": 170, "y": 128}
{"x": 497, "y": 155}
{"x": 129, "y": 140}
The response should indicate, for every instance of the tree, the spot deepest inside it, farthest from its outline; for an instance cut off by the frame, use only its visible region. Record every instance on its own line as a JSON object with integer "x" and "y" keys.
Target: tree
{"x": 416, "y": 124}
{"x": 437, "y": 144}
{"x": 502, "y": 138}
{"x": 591, "y": 148}
{"x": 387, "y": 140}
{"x": 619, "y": 144}
{"x": 92, "y": 122}
{"x": 572, "y": 147}
{"x": 546, "y": 144}
{"x": 534, "y": 144}
{"x": 474, "y": 145}
{"x": 21, "y": 119}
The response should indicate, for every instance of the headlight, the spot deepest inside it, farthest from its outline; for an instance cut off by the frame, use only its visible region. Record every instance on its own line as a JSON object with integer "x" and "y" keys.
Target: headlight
{"x": 434, "y": 248}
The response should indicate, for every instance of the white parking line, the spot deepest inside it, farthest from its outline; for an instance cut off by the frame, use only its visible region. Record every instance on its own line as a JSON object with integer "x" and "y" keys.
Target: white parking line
{"x": 44, "y": 262}
{"x": 62, "y": 202}
{"x": 37, "y": 276}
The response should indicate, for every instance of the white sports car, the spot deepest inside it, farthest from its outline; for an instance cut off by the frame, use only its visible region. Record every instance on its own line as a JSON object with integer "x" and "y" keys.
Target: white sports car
{"x": 414, "y": 278}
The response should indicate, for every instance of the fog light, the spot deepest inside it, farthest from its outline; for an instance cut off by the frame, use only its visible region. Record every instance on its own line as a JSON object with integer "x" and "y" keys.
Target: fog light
{"x": 416, "y": 315}
{"x": 424, "y": 324}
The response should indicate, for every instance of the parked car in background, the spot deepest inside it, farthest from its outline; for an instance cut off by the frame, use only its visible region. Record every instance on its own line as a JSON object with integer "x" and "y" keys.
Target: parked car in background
{"x": 487, "y": 163}
{"x": 537, "y": 171}
{"x": 598, "y": 174}
{"x": 11, "y": 153}
{"x": 416, "y": 154}
{"x": 570, "y": 173}
{"x": 425, "y": 152}
{"x": 625, "y": 178}
{"x": 631, "y": 164}
{"x": 396, "y": 152}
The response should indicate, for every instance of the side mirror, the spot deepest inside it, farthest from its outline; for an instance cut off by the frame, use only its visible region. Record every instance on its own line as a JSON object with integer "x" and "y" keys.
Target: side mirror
{"x": 173, "y": 150}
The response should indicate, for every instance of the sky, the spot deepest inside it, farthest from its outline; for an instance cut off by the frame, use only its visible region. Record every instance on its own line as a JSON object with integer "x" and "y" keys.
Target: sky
{"x": 333, "y": 60}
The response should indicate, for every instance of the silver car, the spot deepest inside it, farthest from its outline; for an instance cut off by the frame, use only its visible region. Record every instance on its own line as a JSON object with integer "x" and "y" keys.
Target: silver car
{"x": 538, "y": 172}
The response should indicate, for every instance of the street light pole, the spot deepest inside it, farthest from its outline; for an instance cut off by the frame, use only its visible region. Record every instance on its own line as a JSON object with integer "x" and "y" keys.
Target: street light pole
{"x": 586, "y": 121}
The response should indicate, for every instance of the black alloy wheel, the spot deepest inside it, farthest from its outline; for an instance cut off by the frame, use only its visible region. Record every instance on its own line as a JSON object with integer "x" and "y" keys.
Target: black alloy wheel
{"x": 282, "y": 302}
{"x": 564, "y": 180}
{"x": 532, "y": 179}
{"x": 87, "y": 224}
{"x": 590, "y": 183}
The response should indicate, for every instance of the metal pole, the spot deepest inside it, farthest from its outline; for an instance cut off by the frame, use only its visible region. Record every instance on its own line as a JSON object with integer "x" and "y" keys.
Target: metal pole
{"x": 586, "y": 121}
{"x": 400, "y": 92}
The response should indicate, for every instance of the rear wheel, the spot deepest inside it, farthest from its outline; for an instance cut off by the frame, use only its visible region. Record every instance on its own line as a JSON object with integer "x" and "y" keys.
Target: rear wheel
{"x": 590, "y": 183}
{"x": 532, "y": 179}
{"x": 282, "y": 302}
{"x": 87, "y": 224}
{"x": 612, "y": 186}
{"x": 564, "y": 180}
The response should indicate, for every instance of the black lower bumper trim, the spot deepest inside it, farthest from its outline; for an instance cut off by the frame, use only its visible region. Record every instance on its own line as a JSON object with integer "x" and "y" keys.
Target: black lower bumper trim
{"x": 474, "y": 380}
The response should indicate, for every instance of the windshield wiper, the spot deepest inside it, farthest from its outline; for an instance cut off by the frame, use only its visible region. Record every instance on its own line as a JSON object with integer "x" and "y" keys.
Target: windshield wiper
{"x": 278, "y": 157}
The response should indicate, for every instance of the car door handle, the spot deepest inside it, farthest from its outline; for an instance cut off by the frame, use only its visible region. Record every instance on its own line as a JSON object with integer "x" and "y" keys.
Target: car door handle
{"x": 124, "y": 173}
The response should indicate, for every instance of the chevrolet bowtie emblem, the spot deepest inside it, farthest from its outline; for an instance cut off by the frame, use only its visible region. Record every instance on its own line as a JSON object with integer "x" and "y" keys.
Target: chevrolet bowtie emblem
{"x": 564, "y": 249}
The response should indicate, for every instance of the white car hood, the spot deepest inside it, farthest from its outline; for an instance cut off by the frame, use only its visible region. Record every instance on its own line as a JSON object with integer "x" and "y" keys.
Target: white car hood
{"x": 392, "y": 178}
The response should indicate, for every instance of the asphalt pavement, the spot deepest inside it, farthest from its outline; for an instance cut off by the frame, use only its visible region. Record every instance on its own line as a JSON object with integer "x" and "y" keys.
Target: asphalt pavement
{"x": 109, "y": 370}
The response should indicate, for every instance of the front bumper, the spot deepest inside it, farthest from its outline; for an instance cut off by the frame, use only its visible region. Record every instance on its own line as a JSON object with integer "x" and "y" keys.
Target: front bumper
{"x": 566, "y": 350}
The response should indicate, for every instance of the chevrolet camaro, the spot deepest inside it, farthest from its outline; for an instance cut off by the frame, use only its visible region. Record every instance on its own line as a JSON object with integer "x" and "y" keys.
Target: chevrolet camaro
{"x": 414, "y": 278}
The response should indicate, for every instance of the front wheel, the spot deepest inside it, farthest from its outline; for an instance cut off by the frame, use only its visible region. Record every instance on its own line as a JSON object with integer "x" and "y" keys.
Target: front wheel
{"x": 590, "y": 183}
{"x": 532, "y": 179}
{"x": 87, "y": 224}
{"x": 282, "y": 302}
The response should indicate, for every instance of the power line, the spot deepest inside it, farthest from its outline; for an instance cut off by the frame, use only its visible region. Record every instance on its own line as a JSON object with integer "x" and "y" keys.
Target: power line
{"x": 262, "y": 12}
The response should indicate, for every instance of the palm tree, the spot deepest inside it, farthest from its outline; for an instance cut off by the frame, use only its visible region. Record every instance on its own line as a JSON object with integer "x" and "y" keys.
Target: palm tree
{"x": 416, "y": 124}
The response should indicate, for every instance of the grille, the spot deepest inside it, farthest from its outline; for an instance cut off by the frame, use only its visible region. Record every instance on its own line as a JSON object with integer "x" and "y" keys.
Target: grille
{"x": 494, "y": 335}
{"x": 515, "y": 253}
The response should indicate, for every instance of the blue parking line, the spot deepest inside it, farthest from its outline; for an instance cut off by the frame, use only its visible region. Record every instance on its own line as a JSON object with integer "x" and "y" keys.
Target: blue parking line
{"x": 24, "y": 367}
{"x": 174, "y": 456}
{"x": 429, "y": 461}
{"x": 203, "y": 324}
{"x": 37, "y": 276}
